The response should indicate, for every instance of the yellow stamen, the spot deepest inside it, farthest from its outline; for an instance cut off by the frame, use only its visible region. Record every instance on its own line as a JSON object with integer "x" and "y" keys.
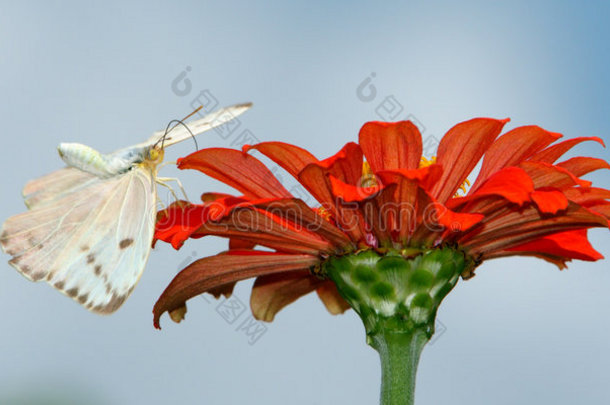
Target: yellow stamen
{"x": 368, "y": 178}
{"x": 424, "y": 162}
{"x": 324, "y": 213}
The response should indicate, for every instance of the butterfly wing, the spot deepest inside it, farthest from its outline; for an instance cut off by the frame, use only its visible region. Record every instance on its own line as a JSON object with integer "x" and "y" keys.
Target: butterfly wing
{"x": 212, "y": 120}
{"x": 90, "y": 242}
{"x": 55, "y": 185}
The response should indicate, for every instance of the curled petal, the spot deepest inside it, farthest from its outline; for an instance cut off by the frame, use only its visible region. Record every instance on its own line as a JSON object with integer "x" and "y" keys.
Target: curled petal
{"x": 225, "y": 268}
{"x": 329, "y": 295}
{"x": 554, "y": 152}
{"x": 579, "y": 166}
{"x": 273, "y": 292}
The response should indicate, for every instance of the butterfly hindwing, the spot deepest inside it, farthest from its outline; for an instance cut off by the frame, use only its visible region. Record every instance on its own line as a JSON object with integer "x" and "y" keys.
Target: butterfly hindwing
{"x": 92, "y": 243}
{"x": 55, "y": 185}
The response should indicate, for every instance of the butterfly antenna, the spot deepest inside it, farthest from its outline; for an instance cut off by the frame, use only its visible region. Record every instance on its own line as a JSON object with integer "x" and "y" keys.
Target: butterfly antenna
{"x": 179, "y": 122}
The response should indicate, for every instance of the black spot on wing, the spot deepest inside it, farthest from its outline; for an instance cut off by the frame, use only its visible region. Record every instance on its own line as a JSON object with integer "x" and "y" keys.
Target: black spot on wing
{"x": 90, "y": 258}
{"x": 97, "y": 270}
{"x": 125, "y": 243}
{"x": 115, "y": 302}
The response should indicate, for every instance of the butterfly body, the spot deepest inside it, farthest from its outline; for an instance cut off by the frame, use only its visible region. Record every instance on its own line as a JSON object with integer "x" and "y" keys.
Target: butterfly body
{"x": 101, "y": 165}
{"x": 89, "y": 227}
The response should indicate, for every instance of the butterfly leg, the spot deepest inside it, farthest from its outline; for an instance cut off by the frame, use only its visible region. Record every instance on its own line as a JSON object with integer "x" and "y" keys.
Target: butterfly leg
{"x": 174, "y": 163}
{"x": 164, "y": 181}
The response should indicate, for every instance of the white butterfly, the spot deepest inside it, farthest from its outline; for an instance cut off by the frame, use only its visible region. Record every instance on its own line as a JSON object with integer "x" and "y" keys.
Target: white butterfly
{"x": 89, "y": 228}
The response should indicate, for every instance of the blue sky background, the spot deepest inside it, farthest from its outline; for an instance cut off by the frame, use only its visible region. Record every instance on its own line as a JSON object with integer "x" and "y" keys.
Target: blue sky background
{"x": 519, "y": 332}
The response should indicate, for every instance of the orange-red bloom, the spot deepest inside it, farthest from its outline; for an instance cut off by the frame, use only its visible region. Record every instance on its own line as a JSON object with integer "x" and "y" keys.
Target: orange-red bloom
{"x": 375, "y": 195}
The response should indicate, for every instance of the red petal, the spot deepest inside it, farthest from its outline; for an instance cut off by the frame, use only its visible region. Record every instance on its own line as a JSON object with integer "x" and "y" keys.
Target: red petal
{"x": 403, "y": 203}
{"x": 512, "y": 148}
{"x": 238, "y": 244}
{"x": 460, "y": 150}
{"x": 291, "y": 158}
{"x": 552, "y": 153}
{"x": 423, "y": 176}
{"x": 179, "y": 221}
{"x": 349, "y": 193}
{"x": 434, "y": 219}
{"x": 586, "y": 195}
{"x": 569, "y": 245}
{"x": 517, "y": 227}
{"x": 273, "y": 292}
{"x": 223, "y": 269}
{"x": 346, "y": 165}
{"x": 238, "y": 170}
{"x": 265, "y": 229}
{"x": 334, "y": 303}
{"x": 304, "y": 217}
{"x": 579, "y": 166}
{"x": 511, "y": 183}
{"x": 391, "y": 146}
{"x": 550, "y": 201}
{"x": 547, "y": 175}
{"x": 314, "y": 178}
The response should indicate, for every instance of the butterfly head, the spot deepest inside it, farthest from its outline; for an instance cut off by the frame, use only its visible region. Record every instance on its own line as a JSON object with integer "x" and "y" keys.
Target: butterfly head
{"x": 155, "y": 155}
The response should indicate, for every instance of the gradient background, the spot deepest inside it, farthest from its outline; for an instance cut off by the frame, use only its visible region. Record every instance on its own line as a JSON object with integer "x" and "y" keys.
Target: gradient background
{"x": 521, "y": 332}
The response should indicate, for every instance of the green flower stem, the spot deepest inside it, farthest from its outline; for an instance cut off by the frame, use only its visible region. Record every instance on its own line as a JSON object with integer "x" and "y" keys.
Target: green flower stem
{"x": 399, "y": 353}
{"x": 397, "y": 294}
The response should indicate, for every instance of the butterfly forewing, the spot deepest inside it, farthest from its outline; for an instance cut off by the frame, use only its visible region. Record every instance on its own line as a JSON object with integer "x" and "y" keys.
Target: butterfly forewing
{"x": 210, "y": 121}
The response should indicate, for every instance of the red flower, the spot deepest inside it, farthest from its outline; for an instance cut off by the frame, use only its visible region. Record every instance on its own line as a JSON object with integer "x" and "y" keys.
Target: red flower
{"x": 521, "y": 203}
